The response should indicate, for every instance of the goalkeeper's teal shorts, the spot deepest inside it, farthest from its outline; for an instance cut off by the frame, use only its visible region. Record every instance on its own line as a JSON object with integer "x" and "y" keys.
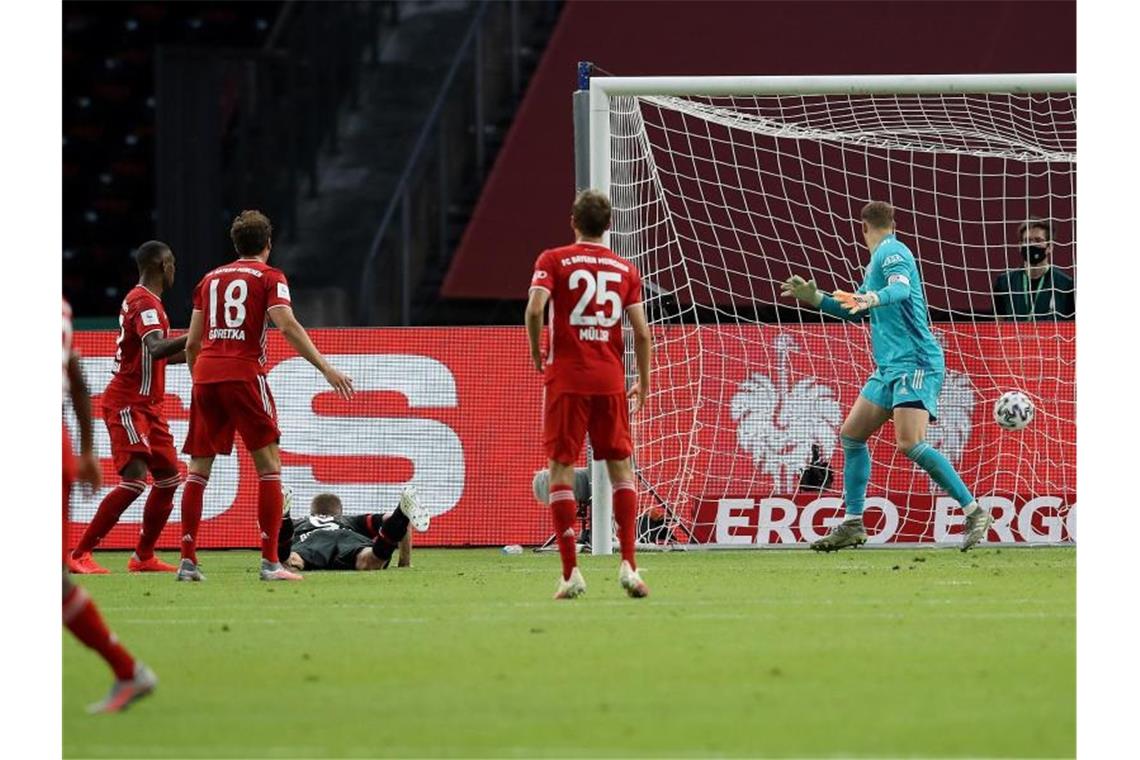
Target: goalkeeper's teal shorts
{"x": 891, "y": 388}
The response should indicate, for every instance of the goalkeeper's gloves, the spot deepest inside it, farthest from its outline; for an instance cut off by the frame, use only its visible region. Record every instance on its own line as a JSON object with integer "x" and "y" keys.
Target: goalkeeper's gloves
{"x": 801, "y": 289}
{"x": 856, "y": 302}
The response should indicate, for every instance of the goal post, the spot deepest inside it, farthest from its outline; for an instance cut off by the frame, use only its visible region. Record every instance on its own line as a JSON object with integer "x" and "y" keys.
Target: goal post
{"x": 724, "y": 186}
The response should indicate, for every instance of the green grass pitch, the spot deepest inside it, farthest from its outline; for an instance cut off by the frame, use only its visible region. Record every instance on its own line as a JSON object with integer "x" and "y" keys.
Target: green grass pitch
{"x": 867, "y": 653}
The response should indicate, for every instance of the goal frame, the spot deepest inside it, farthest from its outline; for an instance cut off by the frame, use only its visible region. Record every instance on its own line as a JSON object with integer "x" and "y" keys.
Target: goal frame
{"x": 592, "y": 148}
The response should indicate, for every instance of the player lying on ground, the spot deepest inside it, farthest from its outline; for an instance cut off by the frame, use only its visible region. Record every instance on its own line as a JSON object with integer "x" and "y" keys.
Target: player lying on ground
{"x": 133, "y": 679}
{"x": 327, "y": 540}
{"x": 904, "y": 387}
{"x": 589, "y": 287}
{"x": 132, "y": 411}
{"x": 225, "y": 348}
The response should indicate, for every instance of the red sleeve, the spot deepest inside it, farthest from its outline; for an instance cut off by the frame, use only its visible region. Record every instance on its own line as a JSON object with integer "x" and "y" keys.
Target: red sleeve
{"x": 144, "y": 317}
{"x": 276, "y": 289}
{"x": 544, "y": 269}
{"x": 633, "y": 295}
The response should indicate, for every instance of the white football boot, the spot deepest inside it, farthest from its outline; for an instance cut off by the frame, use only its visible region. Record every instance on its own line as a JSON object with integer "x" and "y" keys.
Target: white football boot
{"x": 572, "y": 588}
{"x": 410, "y": 505}
{"x": 631, "y": 581}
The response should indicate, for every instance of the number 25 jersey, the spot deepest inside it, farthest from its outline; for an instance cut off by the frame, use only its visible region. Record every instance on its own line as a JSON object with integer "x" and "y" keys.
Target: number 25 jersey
{"x": 234, "y": 300}
{"x": 590, "y": 288}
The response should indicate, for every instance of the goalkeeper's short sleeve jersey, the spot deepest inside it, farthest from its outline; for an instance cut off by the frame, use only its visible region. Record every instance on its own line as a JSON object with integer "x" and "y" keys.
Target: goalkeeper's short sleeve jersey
{"x": 900, "y": 331}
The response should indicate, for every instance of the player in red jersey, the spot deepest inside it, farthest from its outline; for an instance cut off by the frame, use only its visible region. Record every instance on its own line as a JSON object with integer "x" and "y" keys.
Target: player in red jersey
{"x": 132, "y": 411}
{"x": 233, "y": 306}
{"x": 587, "y": 288}
{"x": 132, "y": 678}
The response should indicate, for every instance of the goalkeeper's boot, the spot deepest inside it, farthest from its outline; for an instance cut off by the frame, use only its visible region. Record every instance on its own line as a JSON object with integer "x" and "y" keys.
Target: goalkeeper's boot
{"x": 275, "y": 571}
{"x": 188, "y": 571}
{"x": 850, "y": 532}
{"x": 126, "y": 692}
{"x": 152, "y": 565}
{"x": 976, "y": 527}
{"x": 85, "y": 564}
{"x": 572, "y": 588}
{"x": 631, "y": 581}
{"x": 410, "y": 505}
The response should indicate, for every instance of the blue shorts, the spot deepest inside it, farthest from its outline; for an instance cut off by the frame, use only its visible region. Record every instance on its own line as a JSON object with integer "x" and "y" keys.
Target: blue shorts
{"x": 893, "y": 388}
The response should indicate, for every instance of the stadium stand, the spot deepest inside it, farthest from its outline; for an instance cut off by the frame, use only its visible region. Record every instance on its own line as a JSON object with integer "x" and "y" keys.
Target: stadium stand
{"x": 109, "y": 128}
{"x": 310, "y": 111}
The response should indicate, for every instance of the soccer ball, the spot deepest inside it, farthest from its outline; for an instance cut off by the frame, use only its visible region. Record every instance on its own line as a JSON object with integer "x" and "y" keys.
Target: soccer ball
{"x": 1014, "y": 410}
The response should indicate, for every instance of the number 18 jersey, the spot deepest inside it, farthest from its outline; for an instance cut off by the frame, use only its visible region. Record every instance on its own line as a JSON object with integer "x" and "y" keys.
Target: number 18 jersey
{"x": 590, "y": 288}
{"x": 234, "y": 300}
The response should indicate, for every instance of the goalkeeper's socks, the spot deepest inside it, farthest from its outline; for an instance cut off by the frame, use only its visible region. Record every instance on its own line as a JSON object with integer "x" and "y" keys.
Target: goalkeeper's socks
{"x": 564, "y": 509}
{"x": 82, "y": 618}
{"x": 625, "y": 513}
{"x": 856, "y": 474}
{"x": 156, "y": 512}
{"x": 270, "y": 502}
{"x": 941, "y": 472}
{"x": 192, "y": 514}
{"x": 110, "y": 510}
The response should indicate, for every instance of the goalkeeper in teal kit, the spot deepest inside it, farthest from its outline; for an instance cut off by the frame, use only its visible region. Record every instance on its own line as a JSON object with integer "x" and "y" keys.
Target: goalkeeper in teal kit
{"x": 909, "y": 367}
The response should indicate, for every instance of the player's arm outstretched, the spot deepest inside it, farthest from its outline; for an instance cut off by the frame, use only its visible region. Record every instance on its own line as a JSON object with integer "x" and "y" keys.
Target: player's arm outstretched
{"x": 806, "y": 291}
{"x": 849, "y": 306}
{"x": 283, "y": 317}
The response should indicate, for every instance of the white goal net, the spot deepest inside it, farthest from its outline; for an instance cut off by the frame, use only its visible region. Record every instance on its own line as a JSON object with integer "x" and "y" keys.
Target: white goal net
{"x": 720, "y": 197}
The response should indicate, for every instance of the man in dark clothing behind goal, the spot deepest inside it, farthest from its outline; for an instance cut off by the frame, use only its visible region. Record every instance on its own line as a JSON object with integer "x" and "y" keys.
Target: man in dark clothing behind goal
{"x": 327, "y": 540}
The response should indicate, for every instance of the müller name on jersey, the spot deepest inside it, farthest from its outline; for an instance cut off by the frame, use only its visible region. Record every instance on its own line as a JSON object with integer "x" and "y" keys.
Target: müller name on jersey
{"x": 594, "y": 334}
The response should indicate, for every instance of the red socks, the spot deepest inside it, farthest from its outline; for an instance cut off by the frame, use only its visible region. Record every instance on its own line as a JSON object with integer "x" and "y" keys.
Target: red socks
{"x": 82, "y": 618}
{"x": 192, "y": 515}
{"x": 564, "y": 507}
{"x": 625, "y": 513}
{"x": 156, "y": 512}
{"x": 270, "y": 502}
{"x": 110, "y": 510}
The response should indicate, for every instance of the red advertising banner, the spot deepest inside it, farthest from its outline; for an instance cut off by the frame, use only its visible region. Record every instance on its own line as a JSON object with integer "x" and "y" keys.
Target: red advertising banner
{"x": 454, "y": 411}
{"x": 736, "y": 414}
{"x": 739, "y": 412}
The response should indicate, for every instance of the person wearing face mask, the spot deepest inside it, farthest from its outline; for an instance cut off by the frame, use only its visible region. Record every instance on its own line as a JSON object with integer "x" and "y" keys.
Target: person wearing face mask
{"x": 1038, "y": 290}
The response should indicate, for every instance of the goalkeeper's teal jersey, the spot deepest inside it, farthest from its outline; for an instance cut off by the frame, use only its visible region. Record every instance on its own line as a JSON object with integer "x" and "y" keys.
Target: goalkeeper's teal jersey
{"x": 900, "y": 334}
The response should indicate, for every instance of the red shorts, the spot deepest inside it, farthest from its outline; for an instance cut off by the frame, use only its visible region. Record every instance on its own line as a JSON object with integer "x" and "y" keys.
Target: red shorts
{"x": 569, "y": 416}
{"x": 140, "y": 431}
{"x": 218, "y": 409}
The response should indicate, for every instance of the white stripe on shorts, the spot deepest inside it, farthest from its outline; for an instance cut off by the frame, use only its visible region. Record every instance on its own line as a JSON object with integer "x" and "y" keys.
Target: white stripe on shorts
{"x": 128, "y": 425}
{"x": 264, "y": 395}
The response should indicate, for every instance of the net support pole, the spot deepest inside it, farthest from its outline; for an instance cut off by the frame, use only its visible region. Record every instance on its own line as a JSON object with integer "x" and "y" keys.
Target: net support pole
{"x": 594, "y": 144}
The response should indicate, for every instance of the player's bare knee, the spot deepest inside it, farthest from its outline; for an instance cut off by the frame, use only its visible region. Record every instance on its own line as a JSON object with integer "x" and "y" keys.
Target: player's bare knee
{"x": 201, "y": 466}
{"x": 561, "y": 474}
{"x": 366, "y": 560}
{"x": 619, "y": 470}
{"x": 135, "y": 469}
{"x": 267, "y": 459}
{"x": 905, "y": 443}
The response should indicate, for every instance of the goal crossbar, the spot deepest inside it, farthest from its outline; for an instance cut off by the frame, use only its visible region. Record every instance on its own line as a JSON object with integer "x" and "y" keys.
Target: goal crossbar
{"x": 876, "y": 84}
